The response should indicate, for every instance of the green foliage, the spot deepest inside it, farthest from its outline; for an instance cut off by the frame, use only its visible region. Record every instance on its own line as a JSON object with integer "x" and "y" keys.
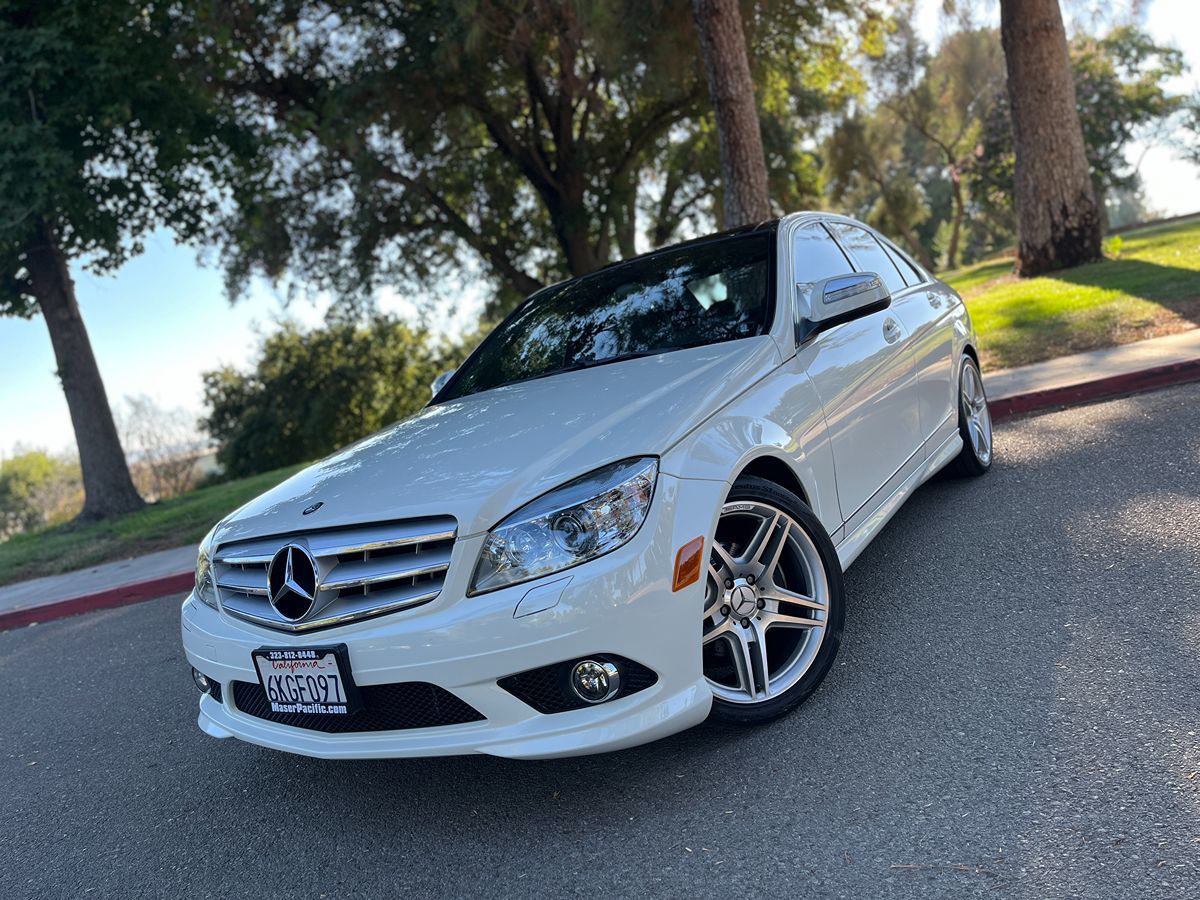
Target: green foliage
{"x": 1187, "y": 143}
{"x": 104, "y": 138}
{"x": 311, "y": 392}
{"x": 1121, "y": 87}
{"x": 420, "y": 142}
{"x": 37, "y": 490}
{"x": 877, "y": 178}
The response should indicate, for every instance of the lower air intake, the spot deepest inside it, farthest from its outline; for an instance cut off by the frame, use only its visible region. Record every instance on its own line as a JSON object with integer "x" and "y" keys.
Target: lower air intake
{"x": 385, "y": 707}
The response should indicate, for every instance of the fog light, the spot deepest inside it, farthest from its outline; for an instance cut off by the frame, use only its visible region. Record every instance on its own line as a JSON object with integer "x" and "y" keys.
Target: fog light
{"x": 595, "y": 681}
{"x": 203, "y": 683}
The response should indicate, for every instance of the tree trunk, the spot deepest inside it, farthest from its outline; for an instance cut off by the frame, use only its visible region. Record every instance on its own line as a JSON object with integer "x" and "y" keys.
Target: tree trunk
{"x": 1102, "y": 206}
{"x": 960, "y": 209}
{"x": 108, "y": 489}
{"x": 743, "y": 165}
{"x": 571, "y": 221}
{"x": 625, "y": 220}
{"x": 914, "y": 244}
{"x": 1058, "y": 224}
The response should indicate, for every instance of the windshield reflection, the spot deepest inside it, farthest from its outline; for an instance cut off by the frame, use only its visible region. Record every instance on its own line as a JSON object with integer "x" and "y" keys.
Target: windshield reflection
{"x": 688, "y": 296}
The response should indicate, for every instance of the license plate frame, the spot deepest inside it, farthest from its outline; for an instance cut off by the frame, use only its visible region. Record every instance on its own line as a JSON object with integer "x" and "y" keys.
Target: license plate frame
{"x": 292, "y": 697}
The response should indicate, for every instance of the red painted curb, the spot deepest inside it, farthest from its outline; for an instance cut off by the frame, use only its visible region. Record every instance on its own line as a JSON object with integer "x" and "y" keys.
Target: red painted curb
{"x": 118, "y": 596}
{"x": 1099, "y": 389}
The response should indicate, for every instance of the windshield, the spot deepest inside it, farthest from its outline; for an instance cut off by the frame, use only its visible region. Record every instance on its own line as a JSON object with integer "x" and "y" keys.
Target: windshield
{"x": 703, "y": 293}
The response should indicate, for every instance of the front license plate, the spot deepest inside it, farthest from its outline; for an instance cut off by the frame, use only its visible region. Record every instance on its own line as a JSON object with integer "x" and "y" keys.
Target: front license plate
{"x": 308, "y": 681}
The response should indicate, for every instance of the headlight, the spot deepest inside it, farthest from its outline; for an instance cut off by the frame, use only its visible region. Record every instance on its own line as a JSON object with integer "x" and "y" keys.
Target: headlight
{"x": 206, "y": 589}
{"x": 581, "y": 520}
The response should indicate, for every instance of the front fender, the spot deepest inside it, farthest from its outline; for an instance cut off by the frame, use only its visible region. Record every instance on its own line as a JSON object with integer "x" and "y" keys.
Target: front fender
{"x": 780, "y": 417}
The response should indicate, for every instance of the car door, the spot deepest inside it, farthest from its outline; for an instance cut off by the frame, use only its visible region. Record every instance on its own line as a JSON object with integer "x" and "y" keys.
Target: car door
{"x": 863, "y": 372}
{"x": 928, "y": 314}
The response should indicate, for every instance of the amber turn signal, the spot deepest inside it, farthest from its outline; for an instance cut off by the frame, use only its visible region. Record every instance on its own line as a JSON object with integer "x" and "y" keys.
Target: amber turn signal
{"x": 688, "y": 562}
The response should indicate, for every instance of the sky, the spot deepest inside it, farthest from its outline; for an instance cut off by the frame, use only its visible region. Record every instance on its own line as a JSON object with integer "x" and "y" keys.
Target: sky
{"x": 163, "y": 318}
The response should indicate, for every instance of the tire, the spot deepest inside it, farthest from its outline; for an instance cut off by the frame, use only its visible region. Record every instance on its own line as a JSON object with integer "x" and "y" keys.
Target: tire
{"x": 974, "y": 424}
{"x": 770, "y": 552}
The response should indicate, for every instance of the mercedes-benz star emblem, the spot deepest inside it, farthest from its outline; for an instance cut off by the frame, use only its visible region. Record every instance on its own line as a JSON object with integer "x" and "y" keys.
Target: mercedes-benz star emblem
{"x": 292, "y": 582}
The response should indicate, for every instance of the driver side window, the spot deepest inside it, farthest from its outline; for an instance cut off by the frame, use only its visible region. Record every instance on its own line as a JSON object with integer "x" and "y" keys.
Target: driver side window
{"x": 815, "y": 255}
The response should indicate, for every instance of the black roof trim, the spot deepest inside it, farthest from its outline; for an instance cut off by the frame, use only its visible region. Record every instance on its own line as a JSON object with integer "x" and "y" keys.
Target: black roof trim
{"x": 768, "y": 225}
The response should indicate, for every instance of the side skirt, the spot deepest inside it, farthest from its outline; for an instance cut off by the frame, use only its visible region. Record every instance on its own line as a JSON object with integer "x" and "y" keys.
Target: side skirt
{"x": 855, "y": 542}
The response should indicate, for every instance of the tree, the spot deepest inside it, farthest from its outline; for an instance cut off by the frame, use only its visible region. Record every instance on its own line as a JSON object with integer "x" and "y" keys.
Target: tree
{"x": 1058, "y": 222}
{"x": 1188, "y": 143}
{"x": 743, "y": 165}
{"x": 163, "y": 444}
{"x": 95, "y": 151}
{"x": 869, "y": 172}
{"x": 945, "y": 98}
{"x": 417, "y": 144}
{"x": 311, "y": 392}
{"x": 1121, "y": 81}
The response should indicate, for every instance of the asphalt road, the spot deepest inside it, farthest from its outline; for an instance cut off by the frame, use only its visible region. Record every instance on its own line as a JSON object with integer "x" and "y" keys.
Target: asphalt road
{"x": 1014, "y": 714}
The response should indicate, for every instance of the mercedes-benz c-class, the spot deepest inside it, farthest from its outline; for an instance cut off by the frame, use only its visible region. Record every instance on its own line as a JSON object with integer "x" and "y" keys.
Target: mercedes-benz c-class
{"x": 628, "y": 510}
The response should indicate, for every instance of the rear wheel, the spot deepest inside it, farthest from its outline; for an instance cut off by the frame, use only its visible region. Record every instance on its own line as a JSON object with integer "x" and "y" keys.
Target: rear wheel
{"x": 774, "y": 604}
{"x": 974, "y": 423}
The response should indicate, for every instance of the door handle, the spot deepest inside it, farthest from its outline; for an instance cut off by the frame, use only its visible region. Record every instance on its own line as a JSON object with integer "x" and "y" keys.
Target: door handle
{"x": 891, "y": 330}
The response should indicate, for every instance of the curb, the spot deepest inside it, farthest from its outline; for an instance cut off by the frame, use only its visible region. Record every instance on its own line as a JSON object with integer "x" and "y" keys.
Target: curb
{"x": 124, "y": 595}
{"x": 1099, "y": 389}
{"x": 1002, "y": 408}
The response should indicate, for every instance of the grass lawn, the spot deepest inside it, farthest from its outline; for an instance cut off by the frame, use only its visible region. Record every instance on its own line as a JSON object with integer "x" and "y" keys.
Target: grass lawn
{"x": 171, "y": 523}
{"x": 1152, "y": 288}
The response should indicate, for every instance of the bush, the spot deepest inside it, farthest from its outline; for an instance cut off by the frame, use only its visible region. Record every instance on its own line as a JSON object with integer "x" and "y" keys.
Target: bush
{"x": 311, "y": 392}
{"x": 37, "y": 490}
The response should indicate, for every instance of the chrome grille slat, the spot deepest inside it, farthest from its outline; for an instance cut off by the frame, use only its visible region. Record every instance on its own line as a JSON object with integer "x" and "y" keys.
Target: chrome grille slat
{"x": 339, "y": 612}
{"x": 381, "y": 537}
{"x": 387, "y": 568}
{"x": 246, "y": 581}
{"x": 244, "y": 559}
{"x": 362, "y": 572}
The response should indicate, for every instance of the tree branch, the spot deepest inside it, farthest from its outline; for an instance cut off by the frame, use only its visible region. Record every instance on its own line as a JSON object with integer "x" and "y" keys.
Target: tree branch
{"x": 522, "y": 282}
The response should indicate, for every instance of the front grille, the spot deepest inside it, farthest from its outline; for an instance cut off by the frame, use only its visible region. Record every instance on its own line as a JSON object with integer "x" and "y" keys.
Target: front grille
{"x": 215, "y": 690}
{"x": 548, "y": 689}
{"x": 385, "y": 707}
{"x": 362, "y": 571}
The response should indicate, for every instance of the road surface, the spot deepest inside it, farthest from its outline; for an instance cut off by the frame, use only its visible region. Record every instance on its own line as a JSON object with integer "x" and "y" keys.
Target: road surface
{"x": 1014, "y": 713}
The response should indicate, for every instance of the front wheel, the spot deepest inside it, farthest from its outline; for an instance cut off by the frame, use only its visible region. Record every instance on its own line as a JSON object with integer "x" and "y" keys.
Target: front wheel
{"x": 774, "y": 604}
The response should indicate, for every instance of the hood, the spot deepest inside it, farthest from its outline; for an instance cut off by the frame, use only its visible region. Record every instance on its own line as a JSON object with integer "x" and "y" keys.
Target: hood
{"x": 481, "y": 457}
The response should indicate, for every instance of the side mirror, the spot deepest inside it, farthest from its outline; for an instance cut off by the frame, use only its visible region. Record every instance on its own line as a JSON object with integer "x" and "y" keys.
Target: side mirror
{"x": 832, "y": 301}
{"x": 440, "y": 381}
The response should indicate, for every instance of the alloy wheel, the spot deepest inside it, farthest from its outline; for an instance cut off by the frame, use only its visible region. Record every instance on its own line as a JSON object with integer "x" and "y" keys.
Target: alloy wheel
{"x": 979, "y": 420}
{"x": 766, "y": 606}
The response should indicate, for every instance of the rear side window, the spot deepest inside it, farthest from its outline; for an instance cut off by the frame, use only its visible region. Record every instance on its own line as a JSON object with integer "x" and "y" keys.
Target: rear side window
{"x": 815, "y": 255}
{"x": 869, "y": 255}
{"x": 907, "y": 269}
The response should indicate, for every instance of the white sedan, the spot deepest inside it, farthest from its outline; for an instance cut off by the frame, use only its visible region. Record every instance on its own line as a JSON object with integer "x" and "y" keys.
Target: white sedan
{"x": 629, "y": 509}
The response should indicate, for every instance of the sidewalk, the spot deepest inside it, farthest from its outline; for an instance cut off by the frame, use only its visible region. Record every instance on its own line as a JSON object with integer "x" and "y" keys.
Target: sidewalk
{"x": 1084, "y": 377}
{"x": 1081, "y": 378}
{"x": 100, "y": 587}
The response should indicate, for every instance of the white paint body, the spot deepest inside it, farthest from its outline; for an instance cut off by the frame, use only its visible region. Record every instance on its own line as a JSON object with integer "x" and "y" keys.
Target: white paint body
{"x": 859, "y": 421}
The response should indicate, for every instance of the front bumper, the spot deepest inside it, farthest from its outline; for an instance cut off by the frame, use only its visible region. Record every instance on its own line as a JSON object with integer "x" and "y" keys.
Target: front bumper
{"x": 619, "y": 604}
